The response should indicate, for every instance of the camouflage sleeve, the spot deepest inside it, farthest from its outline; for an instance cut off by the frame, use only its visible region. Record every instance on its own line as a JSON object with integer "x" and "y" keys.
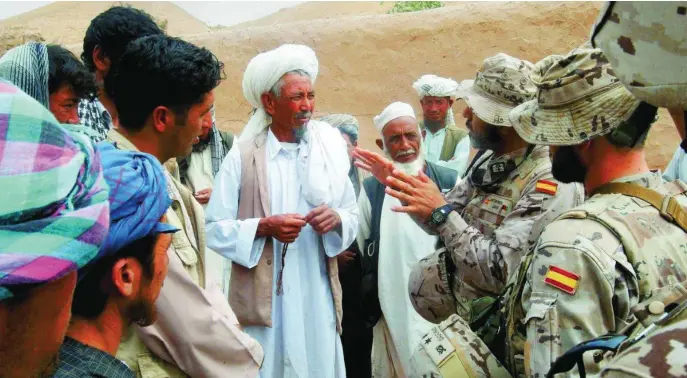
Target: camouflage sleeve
{"x": 572, "y": 293}
{"x": 486, "y": 262}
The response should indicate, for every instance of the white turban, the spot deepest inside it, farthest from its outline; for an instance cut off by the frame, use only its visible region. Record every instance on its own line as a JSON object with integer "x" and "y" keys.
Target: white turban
{"x": 435, "y": 86}
{"x": 391, "y": 112}
{"x": 264, "y": 71}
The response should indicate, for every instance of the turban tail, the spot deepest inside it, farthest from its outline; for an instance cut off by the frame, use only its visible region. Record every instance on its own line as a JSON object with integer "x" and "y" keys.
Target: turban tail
{"x": 55, "y": 215}
{"x": 435, "y": 86}
{"x": 138, "y": 196}
{"x": 264, "y": 71}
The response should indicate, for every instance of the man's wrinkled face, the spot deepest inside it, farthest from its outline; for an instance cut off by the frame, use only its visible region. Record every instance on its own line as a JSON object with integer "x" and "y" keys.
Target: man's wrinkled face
{"x": 295, "y": 104}
{"x": 186, "y": 132}
{"x": 566, "y": 165}
{"x": 483, "y": 136}
{"x": 402, "y": 139}
{"x": 64, "y": 105}
{"x": 143, "y": 311}
{"x": 434, "y": 109}
{"x": 33, "y": 329}
{"x": 349, "y": 145}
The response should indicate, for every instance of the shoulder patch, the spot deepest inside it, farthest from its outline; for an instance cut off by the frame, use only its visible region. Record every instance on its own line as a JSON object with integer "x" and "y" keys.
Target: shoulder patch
{"x": 547, "y": 187}
{"x": 562, "y": 279}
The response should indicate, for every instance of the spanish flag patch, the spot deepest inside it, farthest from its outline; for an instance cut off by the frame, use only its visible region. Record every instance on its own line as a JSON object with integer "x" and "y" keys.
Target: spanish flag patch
{"x": 547, "y": 187}
{"x": 562, "y": 279}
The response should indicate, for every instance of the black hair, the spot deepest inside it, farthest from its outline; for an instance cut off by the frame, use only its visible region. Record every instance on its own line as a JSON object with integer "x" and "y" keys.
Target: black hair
{"x": 90, "y": 296}
{"x": 157, "y": 71}
{"x": 65, "y": 68}
{"x": 113, "y": 29}
{"x": 633, "y": 132}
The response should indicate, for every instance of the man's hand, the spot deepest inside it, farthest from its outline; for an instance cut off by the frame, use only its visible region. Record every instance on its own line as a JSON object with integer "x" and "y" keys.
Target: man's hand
{"x": 345, "y": 259}
{"x": 419, "y": 195}
{"x": 203, "y": 196}
{"x": 323, "y": 219}
{"x": 374, "y": 163}
{"x": 284, "y": 228}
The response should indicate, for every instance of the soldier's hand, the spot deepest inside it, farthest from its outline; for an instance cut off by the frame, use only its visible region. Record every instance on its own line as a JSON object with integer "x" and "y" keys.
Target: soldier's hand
{"x": 374, "y": 163}
{"x": 418, "y": 195}
{"x": 323, "y": 219}
{"x": 284, "y": 227}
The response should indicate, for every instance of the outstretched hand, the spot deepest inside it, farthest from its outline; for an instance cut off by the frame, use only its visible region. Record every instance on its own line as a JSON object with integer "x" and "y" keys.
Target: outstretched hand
{"x": 379, "y": 166}
{"x": 419, "y": 195}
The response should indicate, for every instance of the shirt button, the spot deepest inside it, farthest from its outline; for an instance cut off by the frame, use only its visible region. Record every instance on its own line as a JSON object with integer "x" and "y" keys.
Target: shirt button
{"x": 656, "y": 307}
{"x": 269, "y": 262}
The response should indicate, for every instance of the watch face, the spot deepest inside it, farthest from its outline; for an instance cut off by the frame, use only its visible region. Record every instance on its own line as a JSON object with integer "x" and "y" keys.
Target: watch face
{"x": 438, "y": 216}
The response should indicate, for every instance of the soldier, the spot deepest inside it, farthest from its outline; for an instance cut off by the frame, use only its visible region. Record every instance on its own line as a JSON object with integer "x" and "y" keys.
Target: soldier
{"x": 507, "y": 197}
{"x": 653, "y": 70}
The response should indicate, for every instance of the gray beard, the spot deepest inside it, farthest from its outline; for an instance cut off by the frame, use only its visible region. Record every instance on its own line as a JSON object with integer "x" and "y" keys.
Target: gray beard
{"x": 299, "y": 133}
{"x": 413, "y": 168}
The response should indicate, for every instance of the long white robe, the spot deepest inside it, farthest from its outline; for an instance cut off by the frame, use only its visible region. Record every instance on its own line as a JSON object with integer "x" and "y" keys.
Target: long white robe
{"x": 303, "y": 341}
{"x": 402, "y": 244}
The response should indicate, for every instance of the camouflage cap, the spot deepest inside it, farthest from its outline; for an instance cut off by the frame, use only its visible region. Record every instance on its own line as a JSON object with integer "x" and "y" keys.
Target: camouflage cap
{"x": 646, "y": 43}
{"x": 502, "y": 83}
{"x": 578, "y": 98}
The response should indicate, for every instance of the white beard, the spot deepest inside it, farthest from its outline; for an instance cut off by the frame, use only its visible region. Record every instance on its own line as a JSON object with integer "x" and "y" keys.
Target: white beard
{"x": 413, "y": 168}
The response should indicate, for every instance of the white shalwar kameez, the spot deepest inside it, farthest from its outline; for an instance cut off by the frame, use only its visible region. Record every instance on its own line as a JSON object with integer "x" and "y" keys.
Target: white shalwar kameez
{"x": 402, "y": 243}
{"x": 303, "y": 341}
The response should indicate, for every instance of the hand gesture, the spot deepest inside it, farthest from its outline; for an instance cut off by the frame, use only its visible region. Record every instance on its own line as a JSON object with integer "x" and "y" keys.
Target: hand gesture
{"x": 203, "y": 196}
{"x": 376, "y": 164}
{"x": 284, "y": 227}
{"x": 323, "y": 219}
{"x": 418, "y": 195}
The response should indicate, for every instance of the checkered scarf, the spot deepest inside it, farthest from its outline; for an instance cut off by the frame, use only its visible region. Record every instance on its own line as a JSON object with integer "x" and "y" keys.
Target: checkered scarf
{"x": 26, "y": 66}
{"x": 138, "y": 196}
{"x": 54, "y": 215}
{"x": 217, "y": 152}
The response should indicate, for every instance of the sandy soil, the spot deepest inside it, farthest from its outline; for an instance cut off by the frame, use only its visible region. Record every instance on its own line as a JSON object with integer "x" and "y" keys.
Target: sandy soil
{"x": 368, "y": 58}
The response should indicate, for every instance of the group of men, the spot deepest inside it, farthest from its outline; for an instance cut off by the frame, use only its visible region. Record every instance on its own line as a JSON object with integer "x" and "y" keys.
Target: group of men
{"x": 132, "y": 216}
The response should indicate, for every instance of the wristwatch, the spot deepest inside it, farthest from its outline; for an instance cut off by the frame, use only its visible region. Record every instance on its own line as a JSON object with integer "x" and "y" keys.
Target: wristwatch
{"x": 439, "y": 215}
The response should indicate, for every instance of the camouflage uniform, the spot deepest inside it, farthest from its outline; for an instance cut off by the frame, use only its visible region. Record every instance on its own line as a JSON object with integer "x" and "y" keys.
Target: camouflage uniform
{"x": 492, "y": 227}
{"x": 653, "y": 69}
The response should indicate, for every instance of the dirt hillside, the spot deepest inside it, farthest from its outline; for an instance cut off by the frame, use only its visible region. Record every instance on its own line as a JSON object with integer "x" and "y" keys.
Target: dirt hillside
{"x": 65, "y": 22}
{"x": 368, "y": 58}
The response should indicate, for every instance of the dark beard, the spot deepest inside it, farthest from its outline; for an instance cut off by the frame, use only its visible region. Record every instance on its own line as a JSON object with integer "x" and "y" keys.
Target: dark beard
{"x": 202, "y": 145}
{"x": 299, "y": 133}
{"x": 142, "y": 313}
{"x": 431, "y": 125}
{"x": 490, "y": 140}
{"x": 566, "y": 166}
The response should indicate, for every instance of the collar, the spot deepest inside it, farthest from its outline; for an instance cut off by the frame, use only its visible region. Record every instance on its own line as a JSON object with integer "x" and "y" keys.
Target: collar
{"x": 120, "y": 141}
{"x": 648, "y": 180}
{"x": 274, "y": 146}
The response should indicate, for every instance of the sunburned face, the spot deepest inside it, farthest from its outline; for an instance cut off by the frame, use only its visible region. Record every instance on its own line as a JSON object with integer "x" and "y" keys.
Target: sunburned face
{"x": 64, "y": 105}
{"x": 402, "y": 139}
{"x": 434, "y": 109}
{"x": 295, "y": 104}
{"x": 187, "y": 131}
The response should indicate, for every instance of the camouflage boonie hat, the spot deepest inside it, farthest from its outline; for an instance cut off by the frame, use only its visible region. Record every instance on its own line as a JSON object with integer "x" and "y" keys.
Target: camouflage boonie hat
{"x": 578, "y": 98}
{"x": 646, "y": 43}
{"x": 502, "y": 83}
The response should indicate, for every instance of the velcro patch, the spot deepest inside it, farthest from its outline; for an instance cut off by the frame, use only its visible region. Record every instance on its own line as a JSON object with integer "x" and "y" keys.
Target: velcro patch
{"x": 562, "y": 279}
{"x": 547, "y": 187}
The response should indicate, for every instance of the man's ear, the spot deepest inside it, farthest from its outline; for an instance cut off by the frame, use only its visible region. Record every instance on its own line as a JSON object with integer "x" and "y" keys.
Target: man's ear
{"x": 125, "y": 273}
{"x": 269, "y": 102}
{"x": 380, "y": 144}
{"x": 100, "y": 60}
{"x": 162, "y": 118}
{"x": 450, "y": 103}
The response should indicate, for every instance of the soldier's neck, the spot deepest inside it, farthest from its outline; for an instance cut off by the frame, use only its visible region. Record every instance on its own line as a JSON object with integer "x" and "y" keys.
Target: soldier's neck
{"x": 612, "y": 166}
{"x": 511, "y": 142}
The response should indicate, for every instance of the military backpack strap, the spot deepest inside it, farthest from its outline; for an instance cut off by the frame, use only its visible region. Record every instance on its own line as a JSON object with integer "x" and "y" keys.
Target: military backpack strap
{"x": 667, "y": 205}
{"x": 451, "y": 140}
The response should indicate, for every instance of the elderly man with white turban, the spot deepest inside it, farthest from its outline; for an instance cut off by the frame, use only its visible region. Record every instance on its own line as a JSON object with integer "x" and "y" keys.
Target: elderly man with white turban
{"x": 393, "y": 244}
{"x": 283, "y": 208}
{"x": 444, "y": 143}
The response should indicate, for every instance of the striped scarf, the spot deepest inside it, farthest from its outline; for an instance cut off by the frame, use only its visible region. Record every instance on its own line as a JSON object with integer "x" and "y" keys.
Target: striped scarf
{"x": 54, "y": 214}
{"x": 26, "y": 66}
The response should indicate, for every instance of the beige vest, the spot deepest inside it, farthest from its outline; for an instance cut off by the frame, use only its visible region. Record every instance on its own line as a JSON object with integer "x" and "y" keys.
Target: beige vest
{"x": 250, "y": 290}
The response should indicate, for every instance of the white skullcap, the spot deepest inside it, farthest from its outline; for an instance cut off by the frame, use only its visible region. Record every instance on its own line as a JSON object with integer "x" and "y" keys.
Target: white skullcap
{"x": 391, "y": 112}
{"x": 264, "y": 71}
{"x": 433, "y": 85}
